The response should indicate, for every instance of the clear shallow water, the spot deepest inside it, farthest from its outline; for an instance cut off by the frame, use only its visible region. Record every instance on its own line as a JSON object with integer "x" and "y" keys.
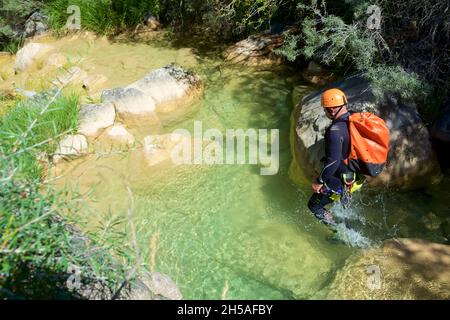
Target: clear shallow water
{"x": 225, "y": 230}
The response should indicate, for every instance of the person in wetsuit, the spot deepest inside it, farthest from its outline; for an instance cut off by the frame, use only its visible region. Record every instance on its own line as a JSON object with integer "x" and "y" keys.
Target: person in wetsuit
{"x": 337, "y": 149}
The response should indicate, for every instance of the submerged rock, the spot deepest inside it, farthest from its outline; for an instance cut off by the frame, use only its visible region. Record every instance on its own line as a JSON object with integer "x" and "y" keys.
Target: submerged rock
{"x": 159, "y": 148}
{"x": 136, "y": 106}
{"x": 75, "y": 75}
{"x": 96, "y": 117}
{"x": 400, "y": 269}
{"x": 30, "y": 54}
{"x": 118, "y": 135}
{"x": 412, "y": 162}
{"x": 72, "y": 146}
{"x": 256, "y": 50}
{"x": 175, "y": 147}
{"x": 55, "y": 60}
{"x": 94, "y": 82}
{"x": 295, "y": 264}
{"x": 155, "y": 286}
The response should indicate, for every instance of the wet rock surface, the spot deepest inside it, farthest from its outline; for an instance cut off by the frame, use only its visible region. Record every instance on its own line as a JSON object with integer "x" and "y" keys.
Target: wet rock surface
{"x": 400, "y": 269}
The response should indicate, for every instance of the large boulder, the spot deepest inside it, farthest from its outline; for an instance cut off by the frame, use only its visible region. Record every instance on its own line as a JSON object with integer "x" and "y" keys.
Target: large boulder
{"x": 163, "y": 90}
{"x": 256, "y": 50}
{"x": 400, "y": 269}
{"x": 412, "y": 162}
{"x": 96, "y": 117}
{"x": 166, "y": 86}
{"x": 30, "y": 54}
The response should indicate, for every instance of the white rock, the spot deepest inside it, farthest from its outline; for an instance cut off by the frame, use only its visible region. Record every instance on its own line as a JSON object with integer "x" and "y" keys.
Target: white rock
{"x": 162, "y": 90}
{"x": 95, "y": 117}
{"x": 72, "y": 146}
{"x": 161, "y": 87}
{"x": 132, "y": 105}
{"x": 30, "y": 54}
{"x": 119, "y": 134}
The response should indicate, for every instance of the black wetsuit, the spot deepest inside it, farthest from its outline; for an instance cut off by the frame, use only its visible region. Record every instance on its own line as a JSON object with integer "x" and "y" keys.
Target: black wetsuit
{"x": 337, "y": 149}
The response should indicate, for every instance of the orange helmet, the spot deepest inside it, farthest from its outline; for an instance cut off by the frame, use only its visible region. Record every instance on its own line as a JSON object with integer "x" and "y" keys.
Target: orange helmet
{"x": 333, "y": 98}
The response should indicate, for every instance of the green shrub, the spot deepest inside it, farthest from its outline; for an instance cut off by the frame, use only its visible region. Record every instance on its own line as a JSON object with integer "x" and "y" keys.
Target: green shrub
{"x": 290, "y": 49}
{"x": 396, "y": 79}
{"x": 37, "y": 245}
{"x": 351, "y": 47}
{"x": 244, "y": 17}
{"x": 101, "y": 16}
{"x": 13, "y": 14}
{"x": 237, "y": 17}
{"x": 97, "y": 15}
{"x": 27, "y": 125}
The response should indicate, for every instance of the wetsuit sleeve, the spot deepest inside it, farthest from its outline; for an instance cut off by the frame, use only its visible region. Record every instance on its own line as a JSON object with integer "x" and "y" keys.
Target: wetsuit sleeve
{"x": 333, "y": 153}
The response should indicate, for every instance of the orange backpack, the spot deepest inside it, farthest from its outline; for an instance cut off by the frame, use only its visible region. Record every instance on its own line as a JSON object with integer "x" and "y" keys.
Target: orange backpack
{"x": 369, "y": 143}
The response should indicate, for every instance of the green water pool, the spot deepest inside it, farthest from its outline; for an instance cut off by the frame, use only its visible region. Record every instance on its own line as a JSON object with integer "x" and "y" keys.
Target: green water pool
{"x": 227, "y": 231}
